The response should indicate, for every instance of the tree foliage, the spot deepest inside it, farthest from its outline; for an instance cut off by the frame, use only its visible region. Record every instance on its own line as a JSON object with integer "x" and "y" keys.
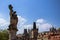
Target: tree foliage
{"x": 3, "y": 35}
{"x": 58, "y": 29}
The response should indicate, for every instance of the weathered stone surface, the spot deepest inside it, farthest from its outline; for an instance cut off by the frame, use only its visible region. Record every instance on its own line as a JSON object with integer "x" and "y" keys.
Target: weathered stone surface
{"x": 13, "y": 24}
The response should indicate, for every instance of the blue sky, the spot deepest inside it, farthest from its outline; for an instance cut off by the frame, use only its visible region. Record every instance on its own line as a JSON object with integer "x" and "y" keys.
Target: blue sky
{"x": 32, "y": 10}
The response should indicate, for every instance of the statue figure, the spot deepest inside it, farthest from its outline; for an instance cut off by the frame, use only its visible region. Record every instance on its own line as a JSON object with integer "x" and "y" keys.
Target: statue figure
{"x": 13, "y": 24}
{"x": 13, "y": 16}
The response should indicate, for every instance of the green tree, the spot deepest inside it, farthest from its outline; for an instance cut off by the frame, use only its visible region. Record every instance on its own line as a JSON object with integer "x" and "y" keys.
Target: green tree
{"x": 58, "y": 29}
{"x": 3, "y": 35}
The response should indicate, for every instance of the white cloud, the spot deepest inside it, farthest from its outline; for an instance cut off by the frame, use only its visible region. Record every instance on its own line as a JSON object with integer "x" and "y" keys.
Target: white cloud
{"x": 43, "y": 25}
{"x": 3, "y": 23}
{"x": 21, "y": 22}
{"x": 40, "y": 20}
{"x": 29, "y": 26}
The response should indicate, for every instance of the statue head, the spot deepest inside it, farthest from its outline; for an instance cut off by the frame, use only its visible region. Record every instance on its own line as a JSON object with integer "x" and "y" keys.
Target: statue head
{"x": 14, "y": 13}
{"x": 10, "y": 7}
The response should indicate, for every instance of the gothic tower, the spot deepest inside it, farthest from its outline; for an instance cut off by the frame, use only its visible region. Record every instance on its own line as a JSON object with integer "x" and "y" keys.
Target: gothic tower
{"x": 13, "y": 24}
{"x": 34, "y": 31}
{"x": 26, "y": 35}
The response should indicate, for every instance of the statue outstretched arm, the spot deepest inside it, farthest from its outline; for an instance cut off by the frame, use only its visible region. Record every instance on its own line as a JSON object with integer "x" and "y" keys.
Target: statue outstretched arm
{"x": 11, "y": 10}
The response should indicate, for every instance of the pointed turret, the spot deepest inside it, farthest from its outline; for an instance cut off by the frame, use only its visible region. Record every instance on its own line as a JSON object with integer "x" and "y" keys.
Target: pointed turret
{"x": 34, "y": 31}
{"x": 34, "y": 25}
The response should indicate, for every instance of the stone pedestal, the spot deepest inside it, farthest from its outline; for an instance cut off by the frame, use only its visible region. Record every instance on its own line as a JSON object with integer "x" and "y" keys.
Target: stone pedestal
{"x": 12, "y": 33}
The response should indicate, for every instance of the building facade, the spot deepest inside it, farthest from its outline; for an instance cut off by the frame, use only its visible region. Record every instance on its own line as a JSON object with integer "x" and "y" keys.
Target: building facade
{"x": 53, "y": 34}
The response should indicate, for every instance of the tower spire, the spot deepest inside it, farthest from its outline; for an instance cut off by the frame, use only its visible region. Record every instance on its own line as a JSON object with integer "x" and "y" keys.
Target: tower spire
{"x": 34, "y": 25}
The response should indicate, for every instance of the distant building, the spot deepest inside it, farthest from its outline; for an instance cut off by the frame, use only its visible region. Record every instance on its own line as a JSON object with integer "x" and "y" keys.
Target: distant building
{"x": 33, "y": 34}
